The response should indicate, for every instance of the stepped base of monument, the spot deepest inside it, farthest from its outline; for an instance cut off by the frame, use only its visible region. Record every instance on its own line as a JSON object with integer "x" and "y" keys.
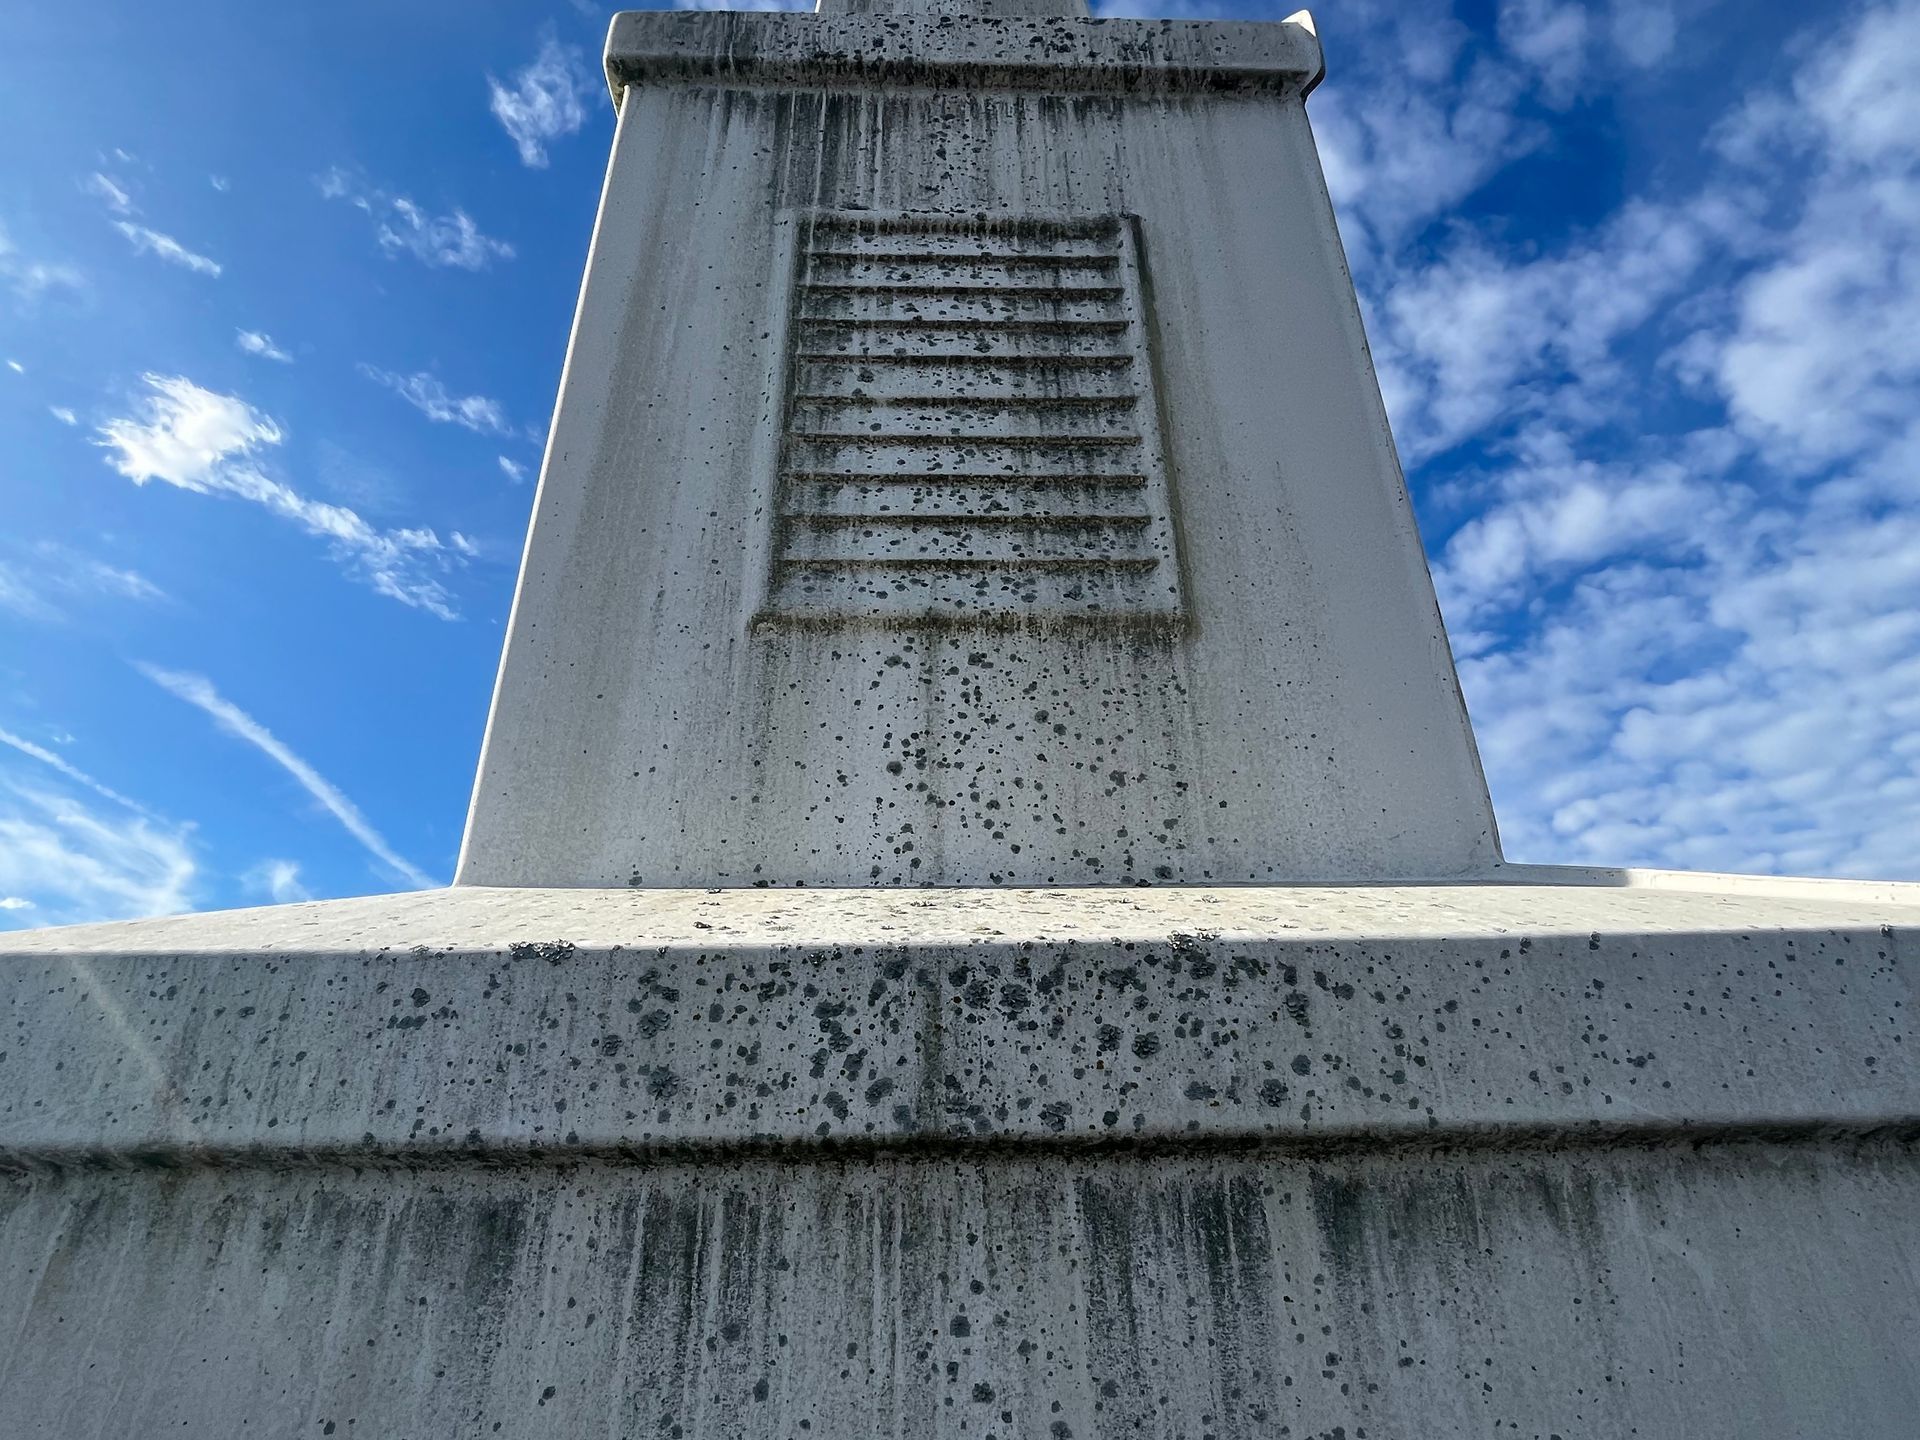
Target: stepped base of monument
{"x": 1741, "y": 1289}
{"x": 1597, "y": 1159}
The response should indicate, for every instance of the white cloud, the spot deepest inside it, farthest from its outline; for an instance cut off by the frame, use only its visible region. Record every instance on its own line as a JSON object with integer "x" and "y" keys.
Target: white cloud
{"x": 255, "y": 343}
{"x": 47, "y": 576}
{"x": 220, "y": 183}
{"x": 1551, "y": 36}
{"x": 278, "y": 879}
{"x": 66, "y": 862}
{"x": 187, "y": 435}
{"x": 1555, "y": 511}
{"x": 22, "y": 597}
{"x": 1570, "y": 46}
{"x": 1693, "y": 646}
{"x": 77, "y": 574}
{"x": 207, "y": 443}
{"x": 1474, "y": 339}
{"x": 1414, "y": 123}
{"x": 165, "y": 247}
{"x": 1643, "y": 31}
{"x": 31, "y": 279}
{"x": 63, "y": 415}
{"x": 16, "y": 367}
{"x": 113, "y": 195}
{"x": 198, "y": 691}
{"x": 547, "y": 100}
{"x": 1821, "y": 360}
{"x": 513, "y": 469}
{"x": 1415, "y": 116}
{"x": 63, "y": 766}
{"x": 430, "y": 397}
{"x": 402, "y": 227}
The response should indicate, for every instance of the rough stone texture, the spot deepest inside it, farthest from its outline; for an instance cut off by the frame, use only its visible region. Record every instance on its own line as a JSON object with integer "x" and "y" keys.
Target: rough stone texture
{"x": 1288, "y": 712}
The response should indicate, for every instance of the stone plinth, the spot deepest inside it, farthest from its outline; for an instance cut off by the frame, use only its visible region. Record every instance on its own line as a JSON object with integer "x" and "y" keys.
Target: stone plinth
{"x": 1604, "y": 1160}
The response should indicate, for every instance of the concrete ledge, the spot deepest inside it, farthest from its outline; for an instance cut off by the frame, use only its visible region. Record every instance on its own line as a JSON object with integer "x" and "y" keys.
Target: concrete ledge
{"x": 1062, "y": 56}
{"x": 515, "y": 1022}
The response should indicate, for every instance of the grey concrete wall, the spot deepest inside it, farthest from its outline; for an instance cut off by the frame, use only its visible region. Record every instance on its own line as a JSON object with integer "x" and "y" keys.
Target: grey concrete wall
{"x": 1421, "y": 1161}
{"x": 1739, "y": 1291}
{"x": 652, "y": 728}
{"x": 512, "y": 1021}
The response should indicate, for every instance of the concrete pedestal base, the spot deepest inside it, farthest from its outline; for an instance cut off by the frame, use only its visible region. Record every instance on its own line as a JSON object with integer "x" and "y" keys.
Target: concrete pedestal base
{"x": 1385, "y": 1161}
{"x": 1736, "y": 1290}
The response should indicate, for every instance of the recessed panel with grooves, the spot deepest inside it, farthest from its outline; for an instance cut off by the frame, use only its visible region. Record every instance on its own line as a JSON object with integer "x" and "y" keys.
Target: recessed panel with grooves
{"x": 969, "y": 428}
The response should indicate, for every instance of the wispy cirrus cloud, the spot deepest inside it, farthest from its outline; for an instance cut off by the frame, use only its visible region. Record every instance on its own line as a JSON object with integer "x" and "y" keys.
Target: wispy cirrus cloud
{"x": 212, "y": 444}
{"x": 41, "y": 581}
{"x": 110, "y": 193}
{"x": 546, "y": 102}
{"x": 57, "y": 762}
{"x": 144, "y": 239}
{"x": 279, "y": 880}
{"x": 64, "y": 860}
{"x": 253, "y": 342}
{"x": 512, "y": 469}
{"x": 148, "y": 241}
{"x": 198, "y": 691}
{"x": 30, "y": 279}
{"x": 401, "y": 227}
{"x": 427, "y": 394}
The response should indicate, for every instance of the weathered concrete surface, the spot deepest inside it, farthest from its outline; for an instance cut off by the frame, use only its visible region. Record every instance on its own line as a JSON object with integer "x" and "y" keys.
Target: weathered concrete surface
{"x": 509, "y": 1020}
{"x": 1752, "y": 1292}
{"x": 1586, "y": 1159}
{"x": 1291, "y": 713}
{"x": 969, "y": 469}
{"x": 847, "y": 49}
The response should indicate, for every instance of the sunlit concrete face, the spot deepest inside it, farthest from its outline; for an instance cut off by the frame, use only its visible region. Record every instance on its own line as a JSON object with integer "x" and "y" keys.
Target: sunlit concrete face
{"x": 969, "y": 470}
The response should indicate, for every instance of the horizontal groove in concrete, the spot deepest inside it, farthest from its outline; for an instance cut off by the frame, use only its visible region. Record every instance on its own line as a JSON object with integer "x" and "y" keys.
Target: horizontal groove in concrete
{"x": 1570, "y": 1141}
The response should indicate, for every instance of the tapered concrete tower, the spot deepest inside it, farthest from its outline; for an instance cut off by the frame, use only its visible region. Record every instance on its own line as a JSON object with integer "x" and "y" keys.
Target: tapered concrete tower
{"x": 980, "y": 915}
{"x": 969, "y": 471}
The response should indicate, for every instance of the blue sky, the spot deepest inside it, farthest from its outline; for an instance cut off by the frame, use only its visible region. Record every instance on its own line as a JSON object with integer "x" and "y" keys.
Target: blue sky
{"x": 285, "y": 290}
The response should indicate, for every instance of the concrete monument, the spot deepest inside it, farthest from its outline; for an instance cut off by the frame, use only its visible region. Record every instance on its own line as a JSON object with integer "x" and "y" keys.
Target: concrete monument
{"x": 980, "y": 914}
